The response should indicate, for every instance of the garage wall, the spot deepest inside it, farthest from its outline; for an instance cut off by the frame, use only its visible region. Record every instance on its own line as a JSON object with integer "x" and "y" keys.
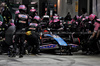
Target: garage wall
{"x": 52, "y": 1}
{"x": 64, "y": 8}
{"x": 96, "y": 8}
{"x": 82, "y": 4}
{"x": 18, "y": 1}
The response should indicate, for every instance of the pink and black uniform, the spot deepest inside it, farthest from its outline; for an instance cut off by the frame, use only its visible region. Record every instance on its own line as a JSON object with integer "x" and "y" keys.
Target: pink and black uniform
{"x": 55, "y": 23}
{"x": 21, "y": 22}
{"x": 97, "y": 25}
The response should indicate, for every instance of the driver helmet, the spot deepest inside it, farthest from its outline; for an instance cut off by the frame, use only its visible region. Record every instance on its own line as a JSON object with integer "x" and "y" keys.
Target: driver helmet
{"x": 92, "y": 17}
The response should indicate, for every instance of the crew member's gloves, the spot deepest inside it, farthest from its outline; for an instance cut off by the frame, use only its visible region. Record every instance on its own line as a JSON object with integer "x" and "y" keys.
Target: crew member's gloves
{"x": 91, "y": 38}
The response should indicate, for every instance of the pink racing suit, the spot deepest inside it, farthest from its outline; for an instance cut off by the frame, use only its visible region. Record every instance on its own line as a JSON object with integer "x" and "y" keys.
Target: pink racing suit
{"x": 97, "y": 25}
{"x": 55, "y": 20}
{"x": 72, "y": 20}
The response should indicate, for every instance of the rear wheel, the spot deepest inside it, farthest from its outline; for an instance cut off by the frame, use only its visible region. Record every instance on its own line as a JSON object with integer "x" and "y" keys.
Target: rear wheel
{"x": 98, "y": 45}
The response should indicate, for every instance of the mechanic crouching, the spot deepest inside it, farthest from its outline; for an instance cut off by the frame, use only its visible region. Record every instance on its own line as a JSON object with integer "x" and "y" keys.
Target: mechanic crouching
{"x": 21, "y": 22}
{"x": 33, "y": 37}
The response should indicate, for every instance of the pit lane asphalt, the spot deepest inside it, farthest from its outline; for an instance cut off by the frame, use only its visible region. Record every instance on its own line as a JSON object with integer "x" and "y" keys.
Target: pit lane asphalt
{"x": 51, "y": 60}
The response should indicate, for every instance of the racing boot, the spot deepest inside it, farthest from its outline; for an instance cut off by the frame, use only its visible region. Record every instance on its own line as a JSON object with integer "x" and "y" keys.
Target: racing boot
{"x": 11, "y": 52}
{"x": 20, "y": 56}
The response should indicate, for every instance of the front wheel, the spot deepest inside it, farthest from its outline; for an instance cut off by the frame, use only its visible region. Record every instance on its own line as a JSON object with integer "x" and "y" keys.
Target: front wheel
{"x": 39, "y": 42}
{"x": 98, "y": 44}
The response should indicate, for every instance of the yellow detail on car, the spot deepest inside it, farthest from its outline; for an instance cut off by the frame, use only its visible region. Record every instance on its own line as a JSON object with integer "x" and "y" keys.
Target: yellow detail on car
{"x": 28, "y": 33}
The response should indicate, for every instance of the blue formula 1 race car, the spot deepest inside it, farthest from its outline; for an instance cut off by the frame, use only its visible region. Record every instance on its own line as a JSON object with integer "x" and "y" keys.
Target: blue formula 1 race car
{"x": 55, "y": 43}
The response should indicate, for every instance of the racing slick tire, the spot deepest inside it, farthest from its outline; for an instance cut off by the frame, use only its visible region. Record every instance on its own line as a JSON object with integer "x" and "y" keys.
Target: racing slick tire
{"x": 9, "y": 35}
{"x": 66, "y": 50}
{"x": 98, "y": 45}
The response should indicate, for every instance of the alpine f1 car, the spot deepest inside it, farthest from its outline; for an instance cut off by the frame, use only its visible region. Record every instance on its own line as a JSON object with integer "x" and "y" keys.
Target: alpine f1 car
{"x": 55, "y": 41}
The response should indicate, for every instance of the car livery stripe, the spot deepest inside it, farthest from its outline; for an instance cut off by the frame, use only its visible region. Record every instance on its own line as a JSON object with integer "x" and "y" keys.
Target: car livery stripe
{"x": 50, "y": 46}
{"x": 60, "y": 41}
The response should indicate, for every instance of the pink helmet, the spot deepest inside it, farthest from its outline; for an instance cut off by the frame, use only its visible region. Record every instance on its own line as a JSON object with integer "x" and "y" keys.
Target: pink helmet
{"x": 22, "y": 7}
{"x": 92, "y": 16}
{"x": 77, "y": 17}
{"x": 32, "y": 10}
{"x": 80, "y": 17}
{"x": 37, "y": 17}
{"x": 86, "y": 17}
{"x": 17, "y": 12}
{"x": 0, "y": 23}
{"x": 83, "y": 19}
{"x": 56, "y": 20}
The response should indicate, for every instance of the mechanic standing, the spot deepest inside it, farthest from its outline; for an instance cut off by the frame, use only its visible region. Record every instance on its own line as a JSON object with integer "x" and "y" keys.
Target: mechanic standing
{"x": 94, "y": 37}
{"x": 21, "y": 22}
{"x": 6, "y": 14}
{"x": 2, "y": 7}
{"x": 33, "y": 38}
{"x": 94, "y": 21}
{"x": 32, "y": 12}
